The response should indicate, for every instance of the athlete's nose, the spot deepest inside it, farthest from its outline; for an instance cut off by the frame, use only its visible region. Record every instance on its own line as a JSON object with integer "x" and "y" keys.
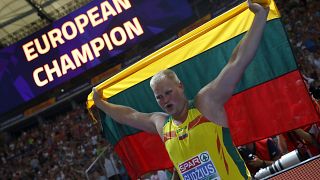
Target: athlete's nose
{"x": 166, "y": 99}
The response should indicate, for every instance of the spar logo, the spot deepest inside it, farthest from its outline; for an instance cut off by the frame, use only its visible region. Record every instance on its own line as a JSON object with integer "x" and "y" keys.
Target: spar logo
{"x": 199, "y": 167}
{"x": 194, "y": 162}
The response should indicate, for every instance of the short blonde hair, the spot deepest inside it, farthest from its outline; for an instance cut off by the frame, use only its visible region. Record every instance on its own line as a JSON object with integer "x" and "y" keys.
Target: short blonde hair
{"x": 167, "y": 73}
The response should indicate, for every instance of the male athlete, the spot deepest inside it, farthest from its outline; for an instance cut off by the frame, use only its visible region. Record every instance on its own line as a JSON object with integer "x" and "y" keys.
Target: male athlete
{"x": 196, "y": 134}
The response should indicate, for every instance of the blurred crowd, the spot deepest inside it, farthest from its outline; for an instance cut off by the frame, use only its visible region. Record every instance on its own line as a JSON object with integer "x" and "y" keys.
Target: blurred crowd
{"x": 301, "y": 20}
{"x": 64, "y": 147}
{"x": 302, "y": 144}
{"x": 60, "y": 148}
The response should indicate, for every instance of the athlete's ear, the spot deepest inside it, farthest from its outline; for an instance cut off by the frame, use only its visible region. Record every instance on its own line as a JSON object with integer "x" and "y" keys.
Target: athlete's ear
{"x": 181, "y": 85}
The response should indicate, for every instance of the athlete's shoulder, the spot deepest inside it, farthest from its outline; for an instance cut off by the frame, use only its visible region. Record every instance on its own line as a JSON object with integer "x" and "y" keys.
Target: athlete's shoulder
{"x": 159, "y": 117}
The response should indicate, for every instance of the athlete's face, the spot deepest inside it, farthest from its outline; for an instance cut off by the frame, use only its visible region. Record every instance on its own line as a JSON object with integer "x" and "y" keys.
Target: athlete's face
{"x": 170, "y": 96}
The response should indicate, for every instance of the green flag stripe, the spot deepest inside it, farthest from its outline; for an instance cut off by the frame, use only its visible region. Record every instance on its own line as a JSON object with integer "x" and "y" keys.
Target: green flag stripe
{"x": 114, "y": 131}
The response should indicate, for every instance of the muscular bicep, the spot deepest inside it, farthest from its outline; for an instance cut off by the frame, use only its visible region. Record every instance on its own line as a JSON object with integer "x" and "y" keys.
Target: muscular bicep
{"x": 131, "y": 117}
{"x": 213, "y": 111}
{"x": 149, "y": 122}
{"x": 212, "y": 98}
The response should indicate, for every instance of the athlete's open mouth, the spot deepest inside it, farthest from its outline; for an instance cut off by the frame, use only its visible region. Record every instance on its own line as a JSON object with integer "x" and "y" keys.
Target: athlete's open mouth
{"x": 168, "y": 106}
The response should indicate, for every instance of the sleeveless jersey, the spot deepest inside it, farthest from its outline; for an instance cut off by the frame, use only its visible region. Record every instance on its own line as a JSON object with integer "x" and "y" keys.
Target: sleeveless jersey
{"x": 201, "y": 149}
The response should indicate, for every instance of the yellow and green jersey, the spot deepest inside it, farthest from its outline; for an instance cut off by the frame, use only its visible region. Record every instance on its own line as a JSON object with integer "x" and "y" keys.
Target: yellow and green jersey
{"x": 201, "y": 149}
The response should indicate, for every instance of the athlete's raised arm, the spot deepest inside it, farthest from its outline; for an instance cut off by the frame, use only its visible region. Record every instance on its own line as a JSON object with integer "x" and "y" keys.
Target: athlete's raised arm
{"x": 211, "y": 99}
{"x": 129, "y": 116}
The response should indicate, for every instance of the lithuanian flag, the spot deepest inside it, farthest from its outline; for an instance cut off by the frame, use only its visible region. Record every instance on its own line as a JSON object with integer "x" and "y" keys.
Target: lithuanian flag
{"x": 270, "y": 99}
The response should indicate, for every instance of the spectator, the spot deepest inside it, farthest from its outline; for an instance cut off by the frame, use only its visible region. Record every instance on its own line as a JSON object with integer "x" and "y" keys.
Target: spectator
{"x": 298, "y": 139}
{"x": 110, "y": 165}
{"x": 260, "y": 154}
{"x": 315, "y": 132}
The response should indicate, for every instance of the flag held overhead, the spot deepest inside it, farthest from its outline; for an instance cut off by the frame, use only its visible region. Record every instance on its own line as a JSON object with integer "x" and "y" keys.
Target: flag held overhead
{"x": 268, "y": 100}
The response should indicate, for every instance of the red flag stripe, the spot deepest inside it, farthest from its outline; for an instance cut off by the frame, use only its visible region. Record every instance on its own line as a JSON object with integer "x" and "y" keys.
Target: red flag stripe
{"x": 137, "y": 152}
{"x": 279, "y": 105}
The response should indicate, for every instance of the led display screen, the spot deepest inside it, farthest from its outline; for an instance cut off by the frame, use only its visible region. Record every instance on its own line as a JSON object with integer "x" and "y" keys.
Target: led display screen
{"x": 80, "y": 41}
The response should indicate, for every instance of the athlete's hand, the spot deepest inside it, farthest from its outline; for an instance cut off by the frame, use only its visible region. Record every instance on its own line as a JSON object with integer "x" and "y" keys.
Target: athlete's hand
{"x": 96, "y": 94}
{"x": 257, "y": 8}
{"x": 256, "y": 162}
